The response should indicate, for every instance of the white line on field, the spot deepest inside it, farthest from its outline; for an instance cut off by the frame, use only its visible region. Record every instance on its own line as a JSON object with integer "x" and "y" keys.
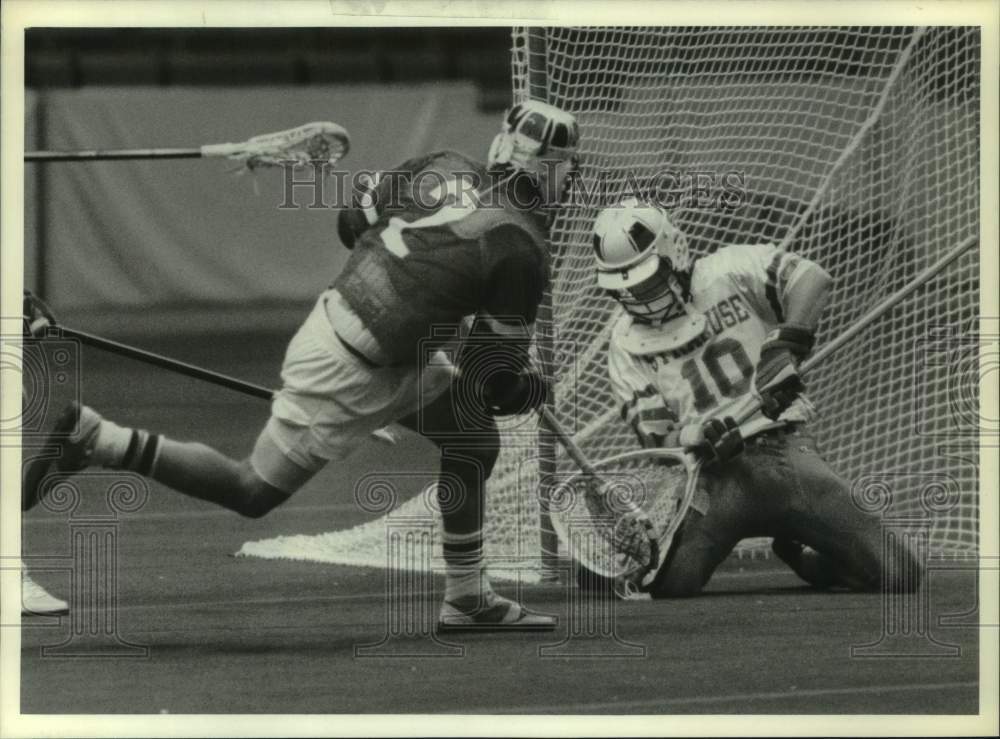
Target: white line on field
{"x": 237, "y": 602}
{"x": 657, "y": 703}
{"x": 207, "y": 513}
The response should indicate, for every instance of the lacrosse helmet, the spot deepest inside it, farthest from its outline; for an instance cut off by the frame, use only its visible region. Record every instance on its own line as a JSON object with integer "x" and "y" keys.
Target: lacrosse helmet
{"x": 540, "y": 140}
{"x": 643, "y": 261}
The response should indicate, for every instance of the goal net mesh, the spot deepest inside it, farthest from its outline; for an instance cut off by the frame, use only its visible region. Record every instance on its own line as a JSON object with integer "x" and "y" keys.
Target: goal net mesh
{"x": 855, "y": 147}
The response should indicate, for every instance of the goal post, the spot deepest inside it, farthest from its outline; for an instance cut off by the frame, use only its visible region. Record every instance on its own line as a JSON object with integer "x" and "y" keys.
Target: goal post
{"x": 536, "y": 78}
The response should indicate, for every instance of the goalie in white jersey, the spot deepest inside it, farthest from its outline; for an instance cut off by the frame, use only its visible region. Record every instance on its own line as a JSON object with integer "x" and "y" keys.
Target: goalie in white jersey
{"x": 699, "y": 341}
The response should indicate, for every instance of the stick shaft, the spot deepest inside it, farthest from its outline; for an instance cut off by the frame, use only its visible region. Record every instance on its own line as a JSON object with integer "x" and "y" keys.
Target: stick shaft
{"x": 95, "y": 155}
{"x": 175, "y": 365}
{"x": 575, "y": 452}
{"x": 888, "y": 304}
{"x": 190, "y": 370}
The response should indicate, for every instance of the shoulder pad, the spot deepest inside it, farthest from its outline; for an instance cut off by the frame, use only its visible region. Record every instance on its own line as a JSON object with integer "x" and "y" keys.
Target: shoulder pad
{"x": 733, "y": 258}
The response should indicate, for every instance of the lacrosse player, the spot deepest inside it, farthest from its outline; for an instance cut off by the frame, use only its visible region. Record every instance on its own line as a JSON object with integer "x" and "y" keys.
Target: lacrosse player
{"x": 428, "y": 250}
{"x": 701, "y": 339}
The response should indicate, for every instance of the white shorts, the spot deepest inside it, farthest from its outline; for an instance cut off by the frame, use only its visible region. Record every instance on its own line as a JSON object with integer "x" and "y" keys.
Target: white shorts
{"x": 331, "y": 400}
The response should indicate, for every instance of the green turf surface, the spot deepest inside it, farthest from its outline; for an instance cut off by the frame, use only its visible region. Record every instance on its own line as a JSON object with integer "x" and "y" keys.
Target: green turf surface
{"x": 245, "y": 635}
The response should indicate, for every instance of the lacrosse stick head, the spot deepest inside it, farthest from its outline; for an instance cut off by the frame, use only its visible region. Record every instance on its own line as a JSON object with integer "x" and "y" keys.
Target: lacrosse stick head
{"x": 319, "y": 143}
{"x": 619, "y": 523}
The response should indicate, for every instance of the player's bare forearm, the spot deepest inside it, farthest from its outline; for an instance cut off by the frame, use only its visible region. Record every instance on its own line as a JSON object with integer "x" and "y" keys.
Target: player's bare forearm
{"x": 807, "y": 296}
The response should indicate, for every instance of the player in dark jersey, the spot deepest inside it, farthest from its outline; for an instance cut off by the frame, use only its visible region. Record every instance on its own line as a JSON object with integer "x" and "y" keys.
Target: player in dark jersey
{"x": 444, "y": 248}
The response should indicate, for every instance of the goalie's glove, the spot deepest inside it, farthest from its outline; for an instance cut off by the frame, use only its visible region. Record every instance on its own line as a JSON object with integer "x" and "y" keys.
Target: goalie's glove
{"x": 777, "y": 381}
{"x": 37, "y": 316}
{"x": 509, "y": 392}
{"x": 351, "y": 223}
{"x": 718, "y": 439}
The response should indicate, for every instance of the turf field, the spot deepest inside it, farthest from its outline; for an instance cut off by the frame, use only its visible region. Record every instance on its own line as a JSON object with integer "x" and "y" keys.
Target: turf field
{"x": 246, "y": 635}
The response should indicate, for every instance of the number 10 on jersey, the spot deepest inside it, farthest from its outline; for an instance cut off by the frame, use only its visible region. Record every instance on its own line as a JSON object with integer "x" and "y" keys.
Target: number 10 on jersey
{"x": 726, "y": 379}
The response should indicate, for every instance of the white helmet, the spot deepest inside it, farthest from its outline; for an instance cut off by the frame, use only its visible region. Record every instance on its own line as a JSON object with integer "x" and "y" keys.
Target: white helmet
{"x": 539, "y": 139}
{"x": 643, "y": 261}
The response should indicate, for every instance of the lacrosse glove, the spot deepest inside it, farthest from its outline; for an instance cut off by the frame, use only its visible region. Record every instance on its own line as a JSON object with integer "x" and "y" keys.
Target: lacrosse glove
{"x": 37, "y": 316}
{"x": 722, "y": 439}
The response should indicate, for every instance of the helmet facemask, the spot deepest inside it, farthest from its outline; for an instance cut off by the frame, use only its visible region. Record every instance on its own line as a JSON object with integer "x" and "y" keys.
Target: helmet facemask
{"x": 643, "y": 262}
{"x": 657, "y": 299}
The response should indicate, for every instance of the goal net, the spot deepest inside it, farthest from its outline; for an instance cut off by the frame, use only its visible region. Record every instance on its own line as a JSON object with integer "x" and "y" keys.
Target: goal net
{"x": 855, "y": 147}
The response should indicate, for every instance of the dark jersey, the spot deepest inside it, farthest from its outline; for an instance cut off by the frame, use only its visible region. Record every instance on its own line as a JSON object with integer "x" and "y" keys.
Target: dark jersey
{"x": 438, "y": 253}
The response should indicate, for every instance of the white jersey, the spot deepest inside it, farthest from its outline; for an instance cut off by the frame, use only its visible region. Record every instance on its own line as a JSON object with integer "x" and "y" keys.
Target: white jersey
{"x": 741, "y": 291}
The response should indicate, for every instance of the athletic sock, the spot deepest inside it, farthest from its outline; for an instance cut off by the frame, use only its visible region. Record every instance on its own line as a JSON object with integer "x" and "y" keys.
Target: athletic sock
{"x": 125, "y": 448}
{"x": 466, "y": 576}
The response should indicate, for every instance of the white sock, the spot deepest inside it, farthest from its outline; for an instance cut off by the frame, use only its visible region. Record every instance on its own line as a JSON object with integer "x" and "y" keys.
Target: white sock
{"x": 111, "y": 444}
{"x": 125, "y": 448}
{"x": 465, "y": 576}
{"x": 465, "y": 583}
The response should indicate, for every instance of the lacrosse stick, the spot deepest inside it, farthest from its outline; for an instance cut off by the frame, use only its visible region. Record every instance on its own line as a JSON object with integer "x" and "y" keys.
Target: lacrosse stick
{"x": 190, "y": 370}
{"x": 662, "y": 482}
{"x": 614, "y": 506}
{"x": 314, "y": 143}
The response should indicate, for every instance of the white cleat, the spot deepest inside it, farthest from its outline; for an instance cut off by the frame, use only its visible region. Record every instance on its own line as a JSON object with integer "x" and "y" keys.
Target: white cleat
{"x": 37, "y": 601}
{"x": 492, "y": 612}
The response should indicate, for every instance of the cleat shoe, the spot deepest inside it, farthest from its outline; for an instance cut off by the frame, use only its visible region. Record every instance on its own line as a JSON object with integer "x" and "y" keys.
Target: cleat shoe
{"x": 37, "y": 601}
{"x": 491, "y": 613}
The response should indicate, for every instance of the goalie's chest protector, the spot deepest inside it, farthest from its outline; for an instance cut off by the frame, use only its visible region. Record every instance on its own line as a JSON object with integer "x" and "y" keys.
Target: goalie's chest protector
{"x": 713, "y": 375}
{"x": 415, "y": 274}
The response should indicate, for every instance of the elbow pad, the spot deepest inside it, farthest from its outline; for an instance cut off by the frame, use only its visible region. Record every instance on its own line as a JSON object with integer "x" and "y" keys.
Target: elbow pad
{"x": 356, "y": 218}
{"x": 351, "y": 223}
